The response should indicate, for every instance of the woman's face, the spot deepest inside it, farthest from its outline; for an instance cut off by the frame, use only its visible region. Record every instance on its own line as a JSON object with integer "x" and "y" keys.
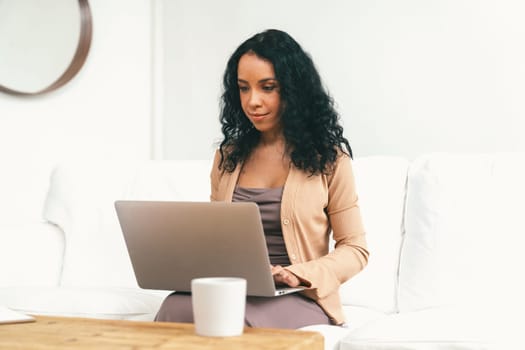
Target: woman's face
{"x": 260, "y": 93}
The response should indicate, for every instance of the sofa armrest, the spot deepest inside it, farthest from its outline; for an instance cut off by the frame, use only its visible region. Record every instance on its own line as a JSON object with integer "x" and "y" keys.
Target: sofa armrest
{"x": 31, "y": 254}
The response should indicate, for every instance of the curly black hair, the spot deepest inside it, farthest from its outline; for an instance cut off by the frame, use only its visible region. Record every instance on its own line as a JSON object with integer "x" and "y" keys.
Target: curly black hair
{"x": 310, "y": 122}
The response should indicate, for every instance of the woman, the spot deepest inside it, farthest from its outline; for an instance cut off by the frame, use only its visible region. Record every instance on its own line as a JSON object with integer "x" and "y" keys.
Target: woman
{"x": 284, "y": 149}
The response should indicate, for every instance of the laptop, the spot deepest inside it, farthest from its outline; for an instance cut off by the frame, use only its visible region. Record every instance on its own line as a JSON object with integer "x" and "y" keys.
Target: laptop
{"x": 170, "y": 243}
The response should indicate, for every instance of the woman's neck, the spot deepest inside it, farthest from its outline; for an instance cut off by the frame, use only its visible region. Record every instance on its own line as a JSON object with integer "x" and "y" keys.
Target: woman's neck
{"x": 274, "y": 139}
{"x": 272, "y": 147}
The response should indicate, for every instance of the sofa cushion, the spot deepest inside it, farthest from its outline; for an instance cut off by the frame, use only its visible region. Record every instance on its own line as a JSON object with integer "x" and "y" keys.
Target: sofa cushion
{"x": 380, "y": 183}
{"x": 464, "y": 232}
{"x": 81, "y": 202}
{"x": 107, "y": 303}
{"x": 433, "y": 329}
{"x": 30, "y": 254}
{"x": 356, "y": 317}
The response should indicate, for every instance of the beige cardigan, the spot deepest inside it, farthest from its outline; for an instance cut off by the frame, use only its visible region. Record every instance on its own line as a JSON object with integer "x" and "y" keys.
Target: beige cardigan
{"x": 310, "y": 207}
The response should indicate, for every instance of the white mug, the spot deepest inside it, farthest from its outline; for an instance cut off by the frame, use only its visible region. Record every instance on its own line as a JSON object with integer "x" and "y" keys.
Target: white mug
{"x": 218, "y": 305}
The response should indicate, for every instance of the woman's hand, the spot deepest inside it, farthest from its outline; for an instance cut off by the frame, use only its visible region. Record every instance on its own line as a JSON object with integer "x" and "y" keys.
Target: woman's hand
{"x": 283, "y": 276}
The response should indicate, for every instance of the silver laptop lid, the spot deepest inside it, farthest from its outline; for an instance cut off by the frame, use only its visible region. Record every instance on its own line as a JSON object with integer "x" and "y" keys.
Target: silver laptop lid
{"x": 170, "y": 243}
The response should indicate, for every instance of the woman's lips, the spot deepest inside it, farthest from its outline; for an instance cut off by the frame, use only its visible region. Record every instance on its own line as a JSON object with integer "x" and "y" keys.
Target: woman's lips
{"x": 258, "y": 117}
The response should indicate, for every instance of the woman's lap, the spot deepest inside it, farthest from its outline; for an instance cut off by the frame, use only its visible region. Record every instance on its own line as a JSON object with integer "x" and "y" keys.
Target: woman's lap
{"x": 287, "y": 311}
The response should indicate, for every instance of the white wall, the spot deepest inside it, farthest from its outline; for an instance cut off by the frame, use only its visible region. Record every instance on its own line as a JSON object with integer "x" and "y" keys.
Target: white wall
{"x": 409, "y": 76}
{"x": 104, "y": 112}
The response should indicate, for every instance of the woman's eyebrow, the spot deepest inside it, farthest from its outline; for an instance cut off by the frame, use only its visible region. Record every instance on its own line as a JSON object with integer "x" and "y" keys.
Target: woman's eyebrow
{"x": 265, "y": 80}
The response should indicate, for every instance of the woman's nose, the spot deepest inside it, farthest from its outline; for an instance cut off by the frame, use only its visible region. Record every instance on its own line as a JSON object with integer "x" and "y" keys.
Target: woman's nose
{"x": 255, "y": 99}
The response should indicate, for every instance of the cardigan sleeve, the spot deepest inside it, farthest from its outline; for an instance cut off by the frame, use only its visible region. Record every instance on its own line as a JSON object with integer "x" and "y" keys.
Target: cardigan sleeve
{"x": 325, "y": 274}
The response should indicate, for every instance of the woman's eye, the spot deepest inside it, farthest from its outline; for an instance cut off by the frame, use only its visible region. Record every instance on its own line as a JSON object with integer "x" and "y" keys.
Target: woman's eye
{"x": 269, "y": 87}
{"x": 243, "y": 88}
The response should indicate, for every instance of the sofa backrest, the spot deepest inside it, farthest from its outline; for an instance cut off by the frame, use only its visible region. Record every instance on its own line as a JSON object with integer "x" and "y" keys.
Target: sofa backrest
{"x": 81, "y": 198}
{"x": 381, "y": 187}
{"x": 81, "y": 201}
{"x": 465, "y": 231}
{"x": 459, "y": 241}
{"x": 23, "y": 187}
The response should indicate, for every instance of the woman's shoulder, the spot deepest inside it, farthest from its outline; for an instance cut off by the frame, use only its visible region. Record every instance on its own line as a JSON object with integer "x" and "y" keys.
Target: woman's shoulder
{"x": 342, "y": 157}
{"x": 342, "y": 154}
{"x": 341, "y": 167}
{"x": 221, "y": 155}
{"x": 225, "y": 150}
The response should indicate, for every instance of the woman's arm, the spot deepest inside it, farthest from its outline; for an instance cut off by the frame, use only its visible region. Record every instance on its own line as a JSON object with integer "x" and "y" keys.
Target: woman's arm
{"x": 325, "y": 274}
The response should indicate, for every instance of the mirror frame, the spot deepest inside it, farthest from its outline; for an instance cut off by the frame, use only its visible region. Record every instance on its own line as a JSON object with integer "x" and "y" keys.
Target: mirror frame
{"x": 81, "y": 53}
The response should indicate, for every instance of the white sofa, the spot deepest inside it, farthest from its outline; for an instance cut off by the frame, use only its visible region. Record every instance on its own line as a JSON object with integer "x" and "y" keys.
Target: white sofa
{"x": 446, "y": 235}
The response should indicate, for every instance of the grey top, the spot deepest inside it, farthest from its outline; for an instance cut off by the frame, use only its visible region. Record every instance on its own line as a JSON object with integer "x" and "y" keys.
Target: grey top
{"x": 269, "y": 202}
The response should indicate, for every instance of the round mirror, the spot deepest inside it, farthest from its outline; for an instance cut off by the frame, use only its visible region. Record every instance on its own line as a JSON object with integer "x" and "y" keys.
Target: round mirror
{"x": 43, "y": 44}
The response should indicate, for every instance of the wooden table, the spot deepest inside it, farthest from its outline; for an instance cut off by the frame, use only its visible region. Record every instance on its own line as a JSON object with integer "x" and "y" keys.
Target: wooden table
{"x": 84, "y": 333}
